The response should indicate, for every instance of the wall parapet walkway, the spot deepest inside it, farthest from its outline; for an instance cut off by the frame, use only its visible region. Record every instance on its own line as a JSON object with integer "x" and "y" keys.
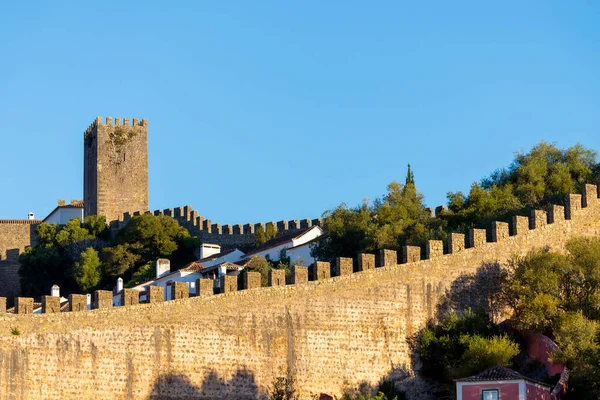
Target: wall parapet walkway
{"x": 324, "y": 333}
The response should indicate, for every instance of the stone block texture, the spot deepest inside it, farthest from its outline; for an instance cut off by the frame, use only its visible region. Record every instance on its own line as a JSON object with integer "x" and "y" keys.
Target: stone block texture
{"x": 130, "y": 297}
{"x": 180, "y": 290}
{"x": 252, "y": 280}
{"x": 77, "y": 302}
{"x": 410, "y": 254}
{"x": 24, "y": 305}
{"x": 299, "y": 275}
{"x": 276, "y": 277}
{"x": 155, "y": 294}
{"x": 320, "y": 270}
{"x": 102, "y": 299}
{"x": 343, "y": 266}
{"x": 204, "y": 287}
{"x": 366, "y": 262}
{"x": 50, "y": 304}
{"x": 229, "y": 284}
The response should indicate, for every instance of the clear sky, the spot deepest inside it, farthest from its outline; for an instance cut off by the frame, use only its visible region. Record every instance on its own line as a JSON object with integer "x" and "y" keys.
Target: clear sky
{"x": 268, "y": 110}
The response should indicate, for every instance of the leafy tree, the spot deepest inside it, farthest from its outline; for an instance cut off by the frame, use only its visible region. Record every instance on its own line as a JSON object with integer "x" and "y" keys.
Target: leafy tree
{"x": 96, "y": 226}
{"x": 72, "y": 232}
{"x": 559, "y": 295}
{"x": 544, "y": 175}
{"x": 87, "y": 270}
{"x": 156, "y": 236}
{"x": 143, "y": 274}
{"x": 462, "y": 346}
{"x": 269, "y": 233}
{"x": 41, "y": 267}
{"x": 262, "y": 265}
{"x": 118, "y": 259}
{"x": 396, "y": 219}
{"x": 482, "y": 353}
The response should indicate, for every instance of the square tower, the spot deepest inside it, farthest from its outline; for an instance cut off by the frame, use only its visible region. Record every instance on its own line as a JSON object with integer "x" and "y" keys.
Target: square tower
{"x": 115, "y": 168}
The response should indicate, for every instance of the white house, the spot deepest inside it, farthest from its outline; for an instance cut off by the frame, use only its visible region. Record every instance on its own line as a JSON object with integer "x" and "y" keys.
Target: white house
{"x": 213, "y": 265}
{"x": 211, "y": 255}
{"x": 164, "y": 278}
{"x": 296, "y": 245}
{"x": 64, "y": 212}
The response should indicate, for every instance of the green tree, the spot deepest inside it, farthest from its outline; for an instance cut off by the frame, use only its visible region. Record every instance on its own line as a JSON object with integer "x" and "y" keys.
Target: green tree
{"x": 460, "y": 346}
{"x": 87, "y": 270}
{"x": 262, "y": 265}
{"x": 72, "y": 232}
{"x": 396, "y": 219}
{"x": 143, "y": 274}
{"x": 152, "y": 237}
{"x": 482, "y": 353}
{"x": 559, "y": 295}
{"x": 543, "y": 176}
{"x": 118, "y": 259}
{"x": 96, "y": 226}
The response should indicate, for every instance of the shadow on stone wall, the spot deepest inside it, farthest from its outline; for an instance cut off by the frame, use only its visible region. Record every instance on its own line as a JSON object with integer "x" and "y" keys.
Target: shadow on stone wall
{"x": 476, "y": 291}
{"x": 241, "y": 386}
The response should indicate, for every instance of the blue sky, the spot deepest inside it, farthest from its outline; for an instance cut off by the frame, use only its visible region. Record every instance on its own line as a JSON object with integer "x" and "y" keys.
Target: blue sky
{"x": 274, "y": 110}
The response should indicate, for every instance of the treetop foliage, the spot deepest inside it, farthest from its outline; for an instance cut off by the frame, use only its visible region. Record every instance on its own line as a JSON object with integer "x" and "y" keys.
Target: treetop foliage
{"x": 544, "y": 175}
{"x": 81, "y": 256}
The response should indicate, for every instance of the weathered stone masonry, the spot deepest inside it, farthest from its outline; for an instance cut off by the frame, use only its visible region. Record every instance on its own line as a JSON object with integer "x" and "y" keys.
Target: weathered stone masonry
{"x": 15, "y": 236}
{"x": 325, "y": 334}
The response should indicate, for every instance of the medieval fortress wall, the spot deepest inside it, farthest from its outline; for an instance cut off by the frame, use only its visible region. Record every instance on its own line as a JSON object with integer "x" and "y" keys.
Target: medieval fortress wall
{"x": 15, "y": 236}
{"x": 116, "y": 186}
{"x": 326, "y": 333}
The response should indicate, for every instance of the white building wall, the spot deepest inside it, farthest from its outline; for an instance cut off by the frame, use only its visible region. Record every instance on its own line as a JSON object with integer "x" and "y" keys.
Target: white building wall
{"x": 64, "y": 215}
{"x": 231, "y": 257}
{"x": 301, "y": 252}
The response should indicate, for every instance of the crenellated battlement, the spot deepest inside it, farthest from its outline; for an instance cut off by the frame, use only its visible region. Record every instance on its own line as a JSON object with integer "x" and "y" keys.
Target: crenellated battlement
{"x": 20, "y": 221}
{"x": 328, "y": 326}
{"x": 500, "y": 234}
{"x": 205, "y": 228}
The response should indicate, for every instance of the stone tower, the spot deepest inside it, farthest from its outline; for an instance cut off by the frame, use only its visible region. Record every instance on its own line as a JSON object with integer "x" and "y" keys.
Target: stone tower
{"x": 115, "y": 172}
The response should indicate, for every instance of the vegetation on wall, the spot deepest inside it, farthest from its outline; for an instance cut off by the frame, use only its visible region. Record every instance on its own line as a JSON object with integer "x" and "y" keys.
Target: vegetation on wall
{"x": 546, "y": 292}
{"x": 559, "y": 295}
{"x": 543, "y": 176}
{"x": 80, "y": 257}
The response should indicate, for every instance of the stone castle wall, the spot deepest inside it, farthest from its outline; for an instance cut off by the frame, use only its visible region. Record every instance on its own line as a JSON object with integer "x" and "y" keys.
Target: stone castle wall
{"x": 325, "y": 334}
{"x": 15, "y": 236}
{"x": 228, "y": 236}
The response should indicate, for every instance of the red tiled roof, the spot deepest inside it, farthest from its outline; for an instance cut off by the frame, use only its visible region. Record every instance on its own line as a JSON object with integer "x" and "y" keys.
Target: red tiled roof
{"x": 193, "y": 266}
{"x": 498, "y": 373}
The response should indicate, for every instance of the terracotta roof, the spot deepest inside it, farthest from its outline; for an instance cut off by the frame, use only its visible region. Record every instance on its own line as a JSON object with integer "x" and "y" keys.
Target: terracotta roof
{"x": 280, "y": 239}
{"x": 193, "y": 266}
{"x": 229, "y": 266}
{"x": 498, "y": 373}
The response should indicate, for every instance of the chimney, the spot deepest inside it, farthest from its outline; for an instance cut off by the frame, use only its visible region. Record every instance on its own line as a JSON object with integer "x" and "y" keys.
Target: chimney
{"x": 31, "y": 216}
{"x": 119, "y": 285}
{"x": 163, "y": 267}
{"x": 55, "y": 291}
{"x": 207, "y": 250}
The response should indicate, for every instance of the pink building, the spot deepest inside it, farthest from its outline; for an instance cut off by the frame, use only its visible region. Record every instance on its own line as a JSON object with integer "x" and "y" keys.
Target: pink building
{"x": 501, "y": 383}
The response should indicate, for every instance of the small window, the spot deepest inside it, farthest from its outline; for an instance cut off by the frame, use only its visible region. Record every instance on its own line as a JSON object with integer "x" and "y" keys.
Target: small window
{"x": 493, "y": 394}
